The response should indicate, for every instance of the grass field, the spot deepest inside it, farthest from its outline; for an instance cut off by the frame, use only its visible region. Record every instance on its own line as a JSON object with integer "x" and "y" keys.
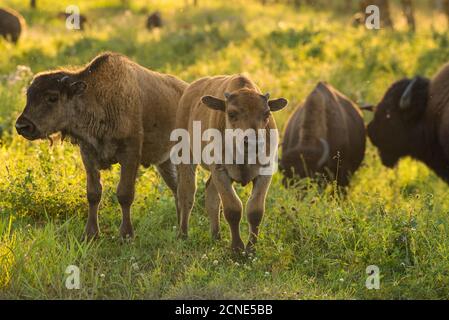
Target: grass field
{"x": 314, "y": 244}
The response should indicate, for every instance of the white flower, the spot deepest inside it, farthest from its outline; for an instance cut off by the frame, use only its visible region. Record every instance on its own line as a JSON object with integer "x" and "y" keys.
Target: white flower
{"x": 215, "y": 263}
{"x": 135, "y": 266}
{"x": 267, "y": 274}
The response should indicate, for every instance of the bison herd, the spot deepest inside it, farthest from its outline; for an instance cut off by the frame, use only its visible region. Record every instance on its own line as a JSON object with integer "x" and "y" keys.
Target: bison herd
{"x": 117, "y": 111}
{"x": 120, "y": 112}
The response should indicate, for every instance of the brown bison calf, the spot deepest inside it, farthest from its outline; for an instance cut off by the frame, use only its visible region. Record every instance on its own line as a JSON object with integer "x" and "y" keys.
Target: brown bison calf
{"x": 11, "y": 24}
{"x": 325, "y": 135}
{"x": 226, "y": 103}
{"x": 413, "y": 120}
{"x": 117, "y": 112}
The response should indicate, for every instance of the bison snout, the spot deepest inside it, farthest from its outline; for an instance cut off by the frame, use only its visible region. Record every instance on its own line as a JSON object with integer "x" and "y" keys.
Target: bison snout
{"x": 25, "y": 127}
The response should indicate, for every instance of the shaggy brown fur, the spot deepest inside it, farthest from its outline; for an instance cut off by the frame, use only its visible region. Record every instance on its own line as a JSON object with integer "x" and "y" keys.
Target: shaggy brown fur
{"x": 325, "y": 135}
{"x": 118, "y": 112}
{"x": 11, "y": 24}
{"x": 413, "y": 120}
{"x": 244, "y": 108}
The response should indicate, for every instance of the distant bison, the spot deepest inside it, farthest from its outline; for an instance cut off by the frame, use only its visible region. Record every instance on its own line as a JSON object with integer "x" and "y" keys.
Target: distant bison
{"x": 117, "y": 112}
{"x": 11, "y": 24}
{"x": 227, "y": 104}
{"x": 413, "y": 120}
{"x": 325, "y": 135}
{"x": 154, "y": 20}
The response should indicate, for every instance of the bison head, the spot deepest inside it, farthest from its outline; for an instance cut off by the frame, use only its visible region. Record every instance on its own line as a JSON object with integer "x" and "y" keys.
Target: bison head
{"x": 245, "y": 109}
{"x": 397, "y": 117}
{"x": 49, "y": 98}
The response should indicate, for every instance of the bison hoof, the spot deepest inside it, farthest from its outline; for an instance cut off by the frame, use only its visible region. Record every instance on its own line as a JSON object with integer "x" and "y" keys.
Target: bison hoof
{"x": 182, "y": 235}
{"x": 216, "y": 236}
{"x": 126, "y": 232}
{"x": 238, "y": 246}
{"x": 91, "y": 233}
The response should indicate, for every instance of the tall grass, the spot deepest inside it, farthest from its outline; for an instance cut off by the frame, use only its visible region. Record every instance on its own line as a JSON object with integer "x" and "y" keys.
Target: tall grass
{"x": 314, "y": 243}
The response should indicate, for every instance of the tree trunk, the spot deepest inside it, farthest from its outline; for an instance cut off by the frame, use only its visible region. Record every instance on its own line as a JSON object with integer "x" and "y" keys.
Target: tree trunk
{"x": 408, "y": 11}
{"x": 33, "y": 4}
{"x": 446, "y": 9}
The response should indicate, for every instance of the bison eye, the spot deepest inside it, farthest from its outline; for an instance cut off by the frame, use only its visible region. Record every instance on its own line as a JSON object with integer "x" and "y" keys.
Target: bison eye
{"x": 52, "y": 98}
{"x": 232, "y": 116}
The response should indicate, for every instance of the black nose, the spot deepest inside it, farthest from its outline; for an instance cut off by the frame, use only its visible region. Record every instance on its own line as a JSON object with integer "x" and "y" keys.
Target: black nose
{"x": 25, "y": 127}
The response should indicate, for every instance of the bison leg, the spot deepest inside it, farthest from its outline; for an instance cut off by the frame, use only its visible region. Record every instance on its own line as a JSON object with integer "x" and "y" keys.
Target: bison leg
{"x": 94, "y": 191}
{"x": 213, "y": 208}
{"x": 255, "y": 208}
{"x": 168, "y": 172}
{"x": 232, "y": 206}
{"x": 125, "y": 192}
{"x": 186, "y": 195}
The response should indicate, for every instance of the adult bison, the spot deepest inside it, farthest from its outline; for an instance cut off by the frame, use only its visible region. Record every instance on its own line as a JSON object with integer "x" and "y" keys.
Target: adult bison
{"x": 117, "y": 112}
{"x": 227, "y": 105}
{"x": 413, "y": 120}
{"x": 11, "y": 24}
{"x": 325, "y": 135}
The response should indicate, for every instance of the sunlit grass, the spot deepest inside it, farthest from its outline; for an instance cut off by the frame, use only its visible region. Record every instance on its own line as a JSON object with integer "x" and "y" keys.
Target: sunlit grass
{"x": 314, "y": 243}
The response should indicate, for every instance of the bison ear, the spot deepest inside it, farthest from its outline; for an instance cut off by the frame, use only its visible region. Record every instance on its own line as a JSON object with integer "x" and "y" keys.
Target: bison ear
{"x": 277, "y": 104}
{"x": 415, "y": 97}
{"x": 77, "y": 88}
{"x": 214, "y": 103}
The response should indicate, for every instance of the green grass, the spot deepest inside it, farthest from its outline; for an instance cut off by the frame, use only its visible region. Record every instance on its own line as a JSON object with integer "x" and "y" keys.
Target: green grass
{"x": 313, "y": 244}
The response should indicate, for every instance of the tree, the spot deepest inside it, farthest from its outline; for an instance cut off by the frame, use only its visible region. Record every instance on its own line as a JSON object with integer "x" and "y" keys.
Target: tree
{"x": 408, "y": 11}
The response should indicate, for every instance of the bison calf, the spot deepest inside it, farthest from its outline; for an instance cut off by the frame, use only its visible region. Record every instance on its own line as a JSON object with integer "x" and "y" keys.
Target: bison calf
{"x": 117, "y": 112}
{"x": 412, "y": 120}
{"x": 226, "y": 103}
{"x": 11, "y": 24}
{"x": 325, "y": 135}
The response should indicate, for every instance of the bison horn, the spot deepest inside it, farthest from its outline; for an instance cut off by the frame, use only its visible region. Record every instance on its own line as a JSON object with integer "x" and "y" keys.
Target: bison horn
{"x": 406, "y": 99}
{"x": 227, "y": 95}
{"x": 64, "y": 79}
{"x": 325, "y": 155}
{"x": 267, "y": 96}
